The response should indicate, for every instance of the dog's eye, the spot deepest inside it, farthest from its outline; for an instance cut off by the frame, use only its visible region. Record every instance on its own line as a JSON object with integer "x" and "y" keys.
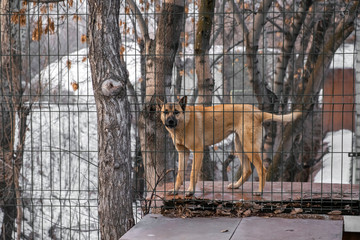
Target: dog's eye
{"x": 176, "y": 112}
{"x": 166, "y": 112}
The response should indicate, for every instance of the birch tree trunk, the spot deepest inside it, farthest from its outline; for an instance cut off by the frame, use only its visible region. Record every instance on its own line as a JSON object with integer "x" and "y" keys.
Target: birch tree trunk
{"x": 160, "y": 56}
{"x": 109, "y": 77}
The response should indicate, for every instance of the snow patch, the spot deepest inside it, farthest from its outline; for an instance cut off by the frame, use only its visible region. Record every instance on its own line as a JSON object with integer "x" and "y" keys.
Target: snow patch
{"x": 336, "y": 163}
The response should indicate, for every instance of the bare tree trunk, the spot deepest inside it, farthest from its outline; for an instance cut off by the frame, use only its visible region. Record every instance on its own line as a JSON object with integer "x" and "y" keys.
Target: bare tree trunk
{"x": 203, "y": 71}
{"x": 160, "y": 55}
{"x": 109, "y": 76}
{"x": 227, "y": 70}
{"x": 202, "y": 62}
{"x": 10, "y": 95}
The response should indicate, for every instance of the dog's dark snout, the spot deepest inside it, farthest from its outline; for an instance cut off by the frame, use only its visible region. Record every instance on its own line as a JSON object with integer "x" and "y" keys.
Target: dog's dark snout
{"x": 171, "y": 122}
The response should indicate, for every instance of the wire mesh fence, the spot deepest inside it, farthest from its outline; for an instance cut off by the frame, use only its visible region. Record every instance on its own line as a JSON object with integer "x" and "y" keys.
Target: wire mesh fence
{"x": 295, "y": 151}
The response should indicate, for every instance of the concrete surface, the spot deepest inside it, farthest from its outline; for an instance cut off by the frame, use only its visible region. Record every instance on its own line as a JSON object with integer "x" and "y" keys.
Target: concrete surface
{"x": 156, "y": 226}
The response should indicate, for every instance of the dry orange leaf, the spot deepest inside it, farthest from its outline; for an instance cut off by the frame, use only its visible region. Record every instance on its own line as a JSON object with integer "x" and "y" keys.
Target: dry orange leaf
{"x": 50, "y": 27}
{"x": 43, "y": 9}
{"x": 76, "y": 18}
{"x": 70, "y": 2}
{"x": 84, "y": 59}
{"x": 75, "y": 86}
{"x": 19, "y": 17}
{"x": 139, "y": 40}
{"x": 68, "y": 64}
{"x": 127, "y": 10}
{"x": 38, "y": 31}
{"x": 122, "y": 50}
{"x": 83, "y": 38}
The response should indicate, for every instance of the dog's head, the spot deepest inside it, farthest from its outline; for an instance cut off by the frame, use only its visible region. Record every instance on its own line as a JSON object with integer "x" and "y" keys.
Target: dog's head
{"x": 172, "y": 114}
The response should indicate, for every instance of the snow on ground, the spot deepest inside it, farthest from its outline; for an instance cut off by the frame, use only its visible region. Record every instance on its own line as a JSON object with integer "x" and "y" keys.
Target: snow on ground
{"x": 336, "y": 163}
{"x": 59, "y": 175}
{"x": 55, "y": 82}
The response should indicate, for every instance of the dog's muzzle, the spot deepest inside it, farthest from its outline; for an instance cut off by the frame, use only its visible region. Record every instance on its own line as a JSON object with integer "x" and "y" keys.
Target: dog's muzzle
{"x": 171, "y": 122}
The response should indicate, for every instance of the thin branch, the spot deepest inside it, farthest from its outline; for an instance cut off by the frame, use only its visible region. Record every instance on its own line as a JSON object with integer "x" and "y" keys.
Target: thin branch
{"x": 239, "y": 17}
{"x": 276, "y": 25}
{"x": 227, "y": 50}
{"x": 221, "y": 24}
{"x": 142, "y": 25}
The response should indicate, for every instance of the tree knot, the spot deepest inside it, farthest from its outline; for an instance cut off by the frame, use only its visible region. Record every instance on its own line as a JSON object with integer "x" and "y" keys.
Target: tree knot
{"x": 111, "y": 87}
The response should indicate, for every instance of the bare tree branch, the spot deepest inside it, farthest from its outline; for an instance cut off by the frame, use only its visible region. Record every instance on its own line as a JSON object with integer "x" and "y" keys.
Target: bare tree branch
{"x": 46, "y": 1}
{"x": 321, "y": 28}
{"x": 305, "y": 39}
{"x": 276, "y": 25}
{"x": 290, "y": 38}
{"x": 263, "y": 93}
{"x": 142, "y": 25}
{"x": 239, "y": 17}
{"x": 344, "y": 28}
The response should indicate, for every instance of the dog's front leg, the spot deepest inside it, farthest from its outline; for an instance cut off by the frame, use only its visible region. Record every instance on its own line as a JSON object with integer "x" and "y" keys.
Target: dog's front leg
{"x": 184, "y": 154}
{"x": 195, "y": 171}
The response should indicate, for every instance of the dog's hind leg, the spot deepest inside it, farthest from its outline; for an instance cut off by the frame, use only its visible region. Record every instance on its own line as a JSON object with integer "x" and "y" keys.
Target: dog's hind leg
{"x": 245, "y": 165}
{"x": 252, "y": 150}
{"x": 183, "y": 159}
{"x": 195, "y": 170}
{"x": 261, "y": 170}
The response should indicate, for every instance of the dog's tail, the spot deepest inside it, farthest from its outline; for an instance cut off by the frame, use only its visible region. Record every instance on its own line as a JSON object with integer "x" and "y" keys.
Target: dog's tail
{"x": 281, "y": 118}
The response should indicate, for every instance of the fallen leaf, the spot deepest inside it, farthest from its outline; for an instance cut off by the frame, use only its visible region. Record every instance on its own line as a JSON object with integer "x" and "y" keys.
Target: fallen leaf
{"x": 335, "y": 212}
{"x": 68, "y": 64}
{"x": 296, "y": 211}
{"x": 75, "y": 86}
{"x": 247, "y": 213}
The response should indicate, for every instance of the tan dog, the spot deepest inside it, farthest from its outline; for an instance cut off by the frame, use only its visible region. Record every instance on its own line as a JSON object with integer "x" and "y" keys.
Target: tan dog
{"x": 195, "y": 127}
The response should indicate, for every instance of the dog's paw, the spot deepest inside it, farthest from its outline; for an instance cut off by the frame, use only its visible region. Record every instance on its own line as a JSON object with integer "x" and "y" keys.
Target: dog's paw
{"x": 172, "y": 192}
{"x": 189, "y": 193}
{"x": 232, "y": 186}
{"x": 257, "y": 193}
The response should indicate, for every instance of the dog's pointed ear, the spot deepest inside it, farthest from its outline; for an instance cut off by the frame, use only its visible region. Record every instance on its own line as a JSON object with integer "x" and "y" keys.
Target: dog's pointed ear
{"x": 183, "y": 102}
{"x": 159, "y": 104}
